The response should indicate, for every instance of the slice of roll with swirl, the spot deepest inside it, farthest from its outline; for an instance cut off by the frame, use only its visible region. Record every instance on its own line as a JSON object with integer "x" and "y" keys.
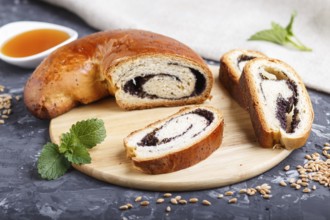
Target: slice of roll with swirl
{"x": 176, "y": 142}
{"x": 141, "y": 69}
{"x": 279, "y": 105}
{"x": 231, "y": 67}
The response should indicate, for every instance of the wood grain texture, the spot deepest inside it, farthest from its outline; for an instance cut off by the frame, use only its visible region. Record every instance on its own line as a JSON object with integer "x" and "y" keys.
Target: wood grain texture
{"x": 238, "y": 158}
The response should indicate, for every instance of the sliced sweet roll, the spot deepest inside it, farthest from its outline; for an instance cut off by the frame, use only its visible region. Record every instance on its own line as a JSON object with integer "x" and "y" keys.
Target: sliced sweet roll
{"x": 231, "y": 67}
{"x": 279, "y": 105}
{"x": 176, "y": 142}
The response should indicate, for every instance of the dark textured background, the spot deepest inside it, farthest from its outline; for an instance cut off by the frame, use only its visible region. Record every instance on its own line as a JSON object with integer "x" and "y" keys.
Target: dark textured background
{"x": 23, "y": 195}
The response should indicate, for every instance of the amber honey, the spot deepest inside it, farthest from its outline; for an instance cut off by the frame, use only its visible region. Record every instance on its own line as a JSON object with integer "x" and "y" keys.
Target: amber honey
{"x": 33, "y": 42}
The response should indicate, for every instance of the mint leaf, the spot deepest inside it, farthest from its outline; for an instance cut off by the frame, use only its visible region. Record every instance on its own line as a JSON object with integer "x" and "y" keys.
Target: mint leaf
{"x": 51, "y": 163}
{"x": 89, "y": 132}
{"x": 289, "y": 26}
{"x": 280, "y": 35}
{"x": 78, "y": 154}
{"x": 55, "y": 160}
{"x": 67, "y": 140}
{"x": 272, "y": 35}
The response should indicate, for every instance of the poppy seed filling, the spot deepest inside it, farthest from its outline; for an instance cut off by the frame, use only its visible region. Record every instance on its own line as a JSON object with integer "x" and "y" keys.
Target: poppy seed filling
{"x": 153, "y": 139}
{"x": 135, "y": 86}
{"x": 286, "y": 112}
{"x": 241, "y": 61}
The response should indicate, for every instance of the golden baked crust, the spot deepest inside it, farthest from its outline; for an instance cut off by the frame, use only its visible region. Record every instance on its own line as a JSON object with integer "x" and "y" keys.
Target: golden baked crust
{"x": 78, "y": 73}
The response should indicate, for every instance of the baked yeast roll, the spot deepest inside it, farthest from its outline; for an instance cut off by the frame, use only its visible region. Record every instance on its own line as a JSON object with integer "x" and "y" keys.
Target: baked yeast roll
{"x": 176, "y": 142}
{"x": 141, "y": 69}
{"x": 231, "y": 67}
{"x": 280, "y": 108}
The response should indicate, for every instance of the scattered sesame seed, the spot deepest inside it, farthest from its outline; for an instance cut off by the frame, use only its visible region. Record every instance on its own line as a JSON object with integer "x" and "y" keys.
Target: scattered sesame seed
{"x": 178, "y": 198}
{"x": 266, "y": 196}
{"x": 160, "y": 200}
{"x": 266, "y": 186}
{"x": 326, "y": 148}
{"x": 304, "y": 184}
{"x": 262, "y": 192}
{"x": 305, "y": 179}
{"x": 206, "y": 202}
{"x": 183, "y": 201}
{"x": 193, "y": 200}
{"x": 123, "y": 207}
{"x": 251, "y": 191}
{"x": 144, "y": 203}
{"x": 308, "y": 157}
{"x": 138, "y": 199}
{"x": 282, "y": 183}
{"x": 292, "y": 180}
{"x": 220, "y": 196}
{"x": 229, "y": 193}
{"x": 168, "y": 209}
{"x": 5, "y": 105}
{"x": 306, "y": 190}
{"x": 174, "y": 201}
{"x": 267, "y": 191}
{"x": 232, "y": 200}
{"x": 293, "y": 185}
{"x": 314, "y": 187}
{"x": 242, "y": 191}
{"x": 303, "y": 176}
{"x": 167, "y": 195}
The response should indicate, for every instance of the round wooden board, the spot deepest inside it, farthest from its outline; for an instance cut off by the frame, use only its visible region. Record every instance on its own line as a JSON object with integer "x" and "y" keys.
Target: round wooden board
{"x": 238, "y": 158}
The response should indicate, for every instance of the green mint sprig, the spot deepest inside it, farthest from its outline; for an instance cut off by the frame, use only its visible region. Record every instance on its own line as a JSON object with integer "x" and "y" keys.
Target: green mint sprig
{"x": 55, "y": 160}
{"x": 281, "y": 35}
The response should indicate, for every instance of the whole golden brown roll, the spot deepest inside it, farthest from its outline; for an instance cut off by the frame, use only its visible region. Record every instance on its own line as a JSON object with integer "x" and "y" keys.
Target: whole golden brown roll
{"x": 141, "y": 69}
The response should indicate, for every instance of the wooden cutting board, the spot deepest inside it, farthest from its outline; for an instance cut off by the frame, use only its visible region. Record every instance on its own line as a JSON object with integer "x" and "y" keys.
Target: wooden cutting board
{"x": 239, "y": 157}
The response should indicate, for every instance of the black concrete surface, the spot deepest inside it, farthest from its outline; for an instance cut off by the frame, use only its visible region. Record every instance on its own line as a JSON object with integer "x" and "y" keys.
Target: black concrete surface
{"x": 24, "y": 195}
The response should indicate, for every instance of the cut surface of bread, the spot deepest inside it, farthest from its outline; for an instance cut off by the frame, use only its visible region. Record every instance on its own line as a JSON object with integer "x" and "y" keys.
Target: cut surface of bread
{"x": 140, "y": 68}
{"x": 231, "y": 66}
{"x": 279, "y": 105}
{"x": 176, "y": 142}
{"x": 159, "y": 80}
